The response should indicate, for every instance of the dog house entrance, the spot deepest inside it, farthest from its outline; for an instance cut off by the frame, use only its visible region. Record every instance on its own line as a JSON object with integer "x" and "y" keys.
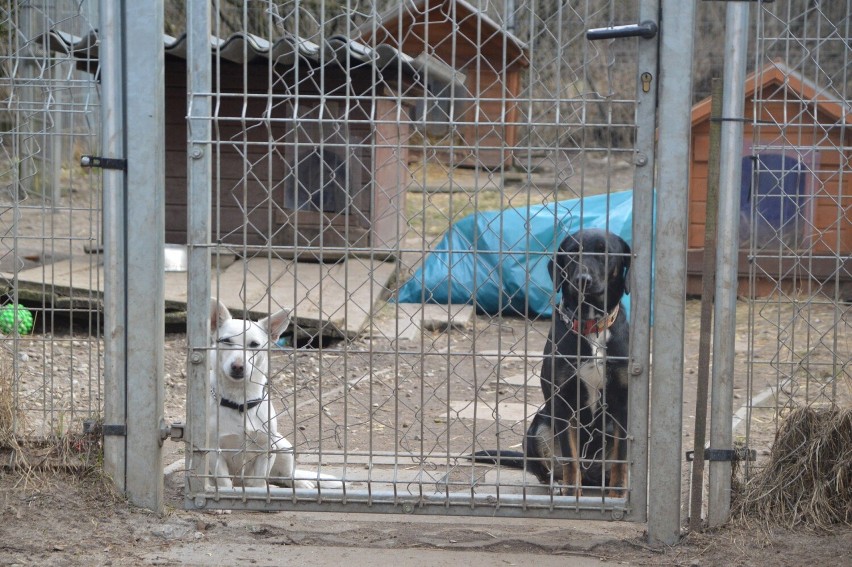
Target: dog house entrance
{"x": 773, "y": 201}
{"x": 327, "y": 188}
{"x": 318, "y": 182}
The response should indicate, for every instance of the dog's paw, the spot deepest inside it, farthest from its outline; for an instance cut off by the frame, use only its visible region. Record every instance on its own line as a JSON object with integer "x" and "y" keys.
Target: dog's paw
{"x": 308, "y": 484}
{"x": 218, "y": 512}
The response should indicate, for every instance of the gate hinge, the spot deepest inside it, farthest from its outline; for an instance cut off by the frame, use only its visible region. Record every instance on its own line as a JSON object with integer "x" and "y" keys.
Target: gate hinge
{"x": 173, "y": 431}
{"x": 103, "y": 163}
{"x": 739, "y": 454}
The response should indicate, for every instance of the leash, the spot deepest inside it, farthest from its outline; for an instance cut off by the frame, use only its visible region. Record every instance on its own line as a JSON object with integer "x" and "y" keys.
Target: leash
{"x": 589, "y": 326}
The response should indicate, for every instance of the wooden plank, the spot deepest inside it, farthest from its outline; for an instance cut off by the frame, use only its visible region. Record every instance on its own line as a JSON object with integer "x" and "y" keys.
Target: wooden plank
{"x": 331, "y": 299}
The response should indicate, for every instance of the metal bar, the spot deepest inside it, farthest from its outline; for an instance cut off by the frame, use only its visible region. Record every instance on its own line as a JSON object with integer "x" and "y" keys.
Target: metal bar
{"x": 640, "y": 289}
{"x": 144, "y": 131}
{"x": 730, "y": 169}
{"x": 199, "y": 170}
{"x": 708, "y": 282}
{"x": 389, "y": 501}
{"x": 676, "y": 46}
{"x": 112, "y": 97}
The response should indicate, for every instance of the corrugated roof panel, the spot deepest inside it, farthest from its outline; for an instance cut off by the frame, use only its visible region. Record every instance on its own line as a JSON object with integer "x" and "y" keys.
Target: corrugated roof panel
{"x": 245, "y": 48}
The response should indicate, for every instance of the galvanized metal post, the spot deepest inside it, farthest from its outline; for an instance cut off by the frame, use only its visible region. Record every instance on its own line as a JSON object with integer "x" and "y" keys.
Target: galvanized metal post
{"x": 730, "y": 170}
{"x": 112, "y": 146}
{"x": 199, "y": 80}
{"x": 676, "y": 46}
{"x": 144, "y": 131}
{"x": 640, "y": 290}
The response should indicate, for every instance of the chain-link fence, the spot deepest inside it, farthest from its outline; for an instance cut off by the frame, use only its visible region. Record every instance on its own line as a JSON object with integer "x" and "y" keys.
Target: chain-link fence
{"x": 796, "y": 221}
{"x": 51, "y": 354}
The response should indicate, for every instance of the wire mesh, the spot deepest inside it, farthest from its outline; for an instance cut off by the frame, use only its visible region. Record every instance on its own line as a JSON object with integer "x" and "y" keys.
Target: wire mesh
{"x": 50, "y": 374}
{"x": 796, "y": 218}
{"x": 348, "y": 139}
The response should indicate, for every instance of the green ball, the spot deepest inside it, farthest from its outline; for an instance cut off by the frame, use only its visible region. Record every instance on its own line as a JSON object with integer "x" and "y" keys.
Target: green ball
{"x": 7, "y": 319}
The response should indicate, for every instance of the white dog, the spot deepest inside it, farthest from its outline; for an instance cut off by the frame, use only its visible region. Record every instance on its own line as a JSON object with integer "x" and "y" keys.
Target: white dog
{"x": 240, "y": 411}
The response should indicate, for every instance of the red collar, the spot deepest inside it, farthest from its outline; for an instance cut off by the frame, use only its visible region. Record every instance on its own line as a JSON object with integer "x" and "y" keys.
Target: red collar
{"x": 589, "y": 326}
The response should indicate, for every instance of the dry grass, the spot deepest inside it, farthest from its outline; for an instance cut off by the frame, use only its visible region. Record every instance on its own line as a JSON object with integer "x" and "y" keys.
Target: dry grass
{"x": 8, "y": 412}
{"x": 34, "y": 460}
{"x": 808, "y": 478}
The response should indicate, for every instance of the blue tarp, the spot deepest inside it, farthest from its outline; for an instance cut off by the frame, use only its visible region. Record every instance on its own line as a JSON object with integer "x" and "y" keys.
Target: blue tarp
{"x": 497, "y": 260}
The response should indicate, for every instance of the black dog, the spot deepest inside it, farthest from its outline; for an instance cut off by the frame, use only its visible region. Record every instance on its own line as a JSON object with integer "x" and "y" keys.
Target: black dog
{"x": 582, "y": 423}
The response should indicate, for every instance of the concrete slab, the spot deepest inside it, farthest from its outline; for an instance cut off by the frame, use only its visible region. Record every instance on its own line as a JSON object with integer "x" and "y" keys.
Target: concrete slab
{"x": 509, "y": 411}
{"x": 407, "y": 321}
{"x": 336, "y": 299}
{"x": 206, "y": 553}
{"x": 520, "y": 380}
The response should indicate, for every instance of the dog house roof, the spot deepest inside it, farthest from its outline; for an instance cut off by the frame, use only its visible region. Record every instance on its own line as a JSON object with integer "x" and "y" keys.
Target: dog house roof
{"x": 775, "y": 78}
{"x": 245, "y": 48}
{"x": 487, "y": 34}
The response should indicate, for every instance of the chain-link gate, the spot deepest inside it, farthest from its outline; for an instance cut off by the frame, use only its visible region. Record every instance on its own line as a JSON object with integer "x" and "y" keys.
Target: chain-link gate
{"x": 383, "y": 172}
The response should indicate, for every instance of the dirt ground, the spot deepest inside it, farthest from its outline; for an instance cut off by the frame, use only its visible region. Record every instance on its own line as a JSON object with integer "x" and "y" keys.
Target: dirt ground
{"x": 60, "y": 519}
{"x": 378, "y": 393}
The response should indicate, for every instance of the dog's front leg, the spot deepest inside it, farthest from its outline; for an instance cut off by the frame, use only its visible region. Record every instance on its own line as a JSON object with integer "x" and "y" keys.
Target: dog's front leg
{"x": 618, "y": 472}
{"x": 285, "y": 466}
{"x": 571, "y": 477}
{"x": 221, "y": 472}
{"x": 256, "y": 470}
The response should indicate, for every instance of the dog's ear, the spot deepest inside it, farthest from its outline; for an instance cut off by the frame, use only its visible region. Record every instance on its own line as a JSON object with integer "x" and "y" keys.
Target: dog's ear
{"x": 218, "y": 314}
{"x": 276, "y": 324}
{"x": 550, "y": 267}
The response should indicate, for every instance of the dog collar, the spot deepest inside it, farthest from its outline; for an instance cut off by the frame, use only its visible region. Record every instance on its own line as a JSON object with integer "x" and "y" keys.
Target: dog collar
{"x": 226, "y": 403}
{"x": 242, "y": 408}
{"x": 589, "y": 326}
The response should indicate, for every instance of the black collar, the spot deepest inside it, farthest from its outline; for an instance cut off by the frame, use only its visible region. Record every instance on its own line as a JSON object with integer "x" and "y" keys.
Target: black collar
{"x": 226, "y": 403}
{"x": 242, "y": 408}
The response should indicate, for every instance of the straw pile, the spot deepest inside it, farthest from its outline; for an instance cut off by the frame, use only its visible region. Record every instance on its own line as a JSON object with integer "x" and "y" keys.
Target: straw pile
{"x": 808, "y": 478}
{"x": 7, "y": 398}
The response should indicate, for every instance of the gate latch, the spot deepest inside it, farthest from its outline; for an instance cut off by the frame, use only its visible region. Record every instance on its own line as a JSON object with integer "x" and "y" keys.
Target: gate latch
{"x": 645, "y": 30}
{"x": 103, "y": 163}
{"x": 739, "y": 454}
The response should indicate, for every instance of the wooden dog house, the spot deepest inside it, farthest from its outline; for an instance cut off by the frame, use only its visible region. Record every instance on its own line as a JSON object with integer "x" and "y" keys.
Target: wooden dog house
{"x": 307, "y": 149}
{"x": 487, "y": 62}
{"x": 796, "y": 191}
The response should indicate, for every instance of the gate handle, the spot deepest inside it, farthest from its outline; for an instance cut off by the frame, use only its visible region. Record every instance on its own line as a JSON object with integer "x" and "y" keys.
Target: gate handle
{"x": 645, "y": 30}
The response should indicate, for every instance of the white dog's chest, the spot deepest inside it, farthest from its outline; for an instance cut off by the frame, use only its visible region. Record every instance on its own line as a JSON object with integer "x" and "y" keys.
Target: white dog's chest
{"x": 252, "y": 429}
{"x": 592, "y": 370}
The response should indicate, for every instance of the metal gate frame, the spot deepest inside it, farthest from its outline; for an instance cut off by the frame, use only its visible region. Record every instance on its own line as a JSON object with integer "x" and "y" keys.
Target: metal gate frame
{"x": 671, "y": 179}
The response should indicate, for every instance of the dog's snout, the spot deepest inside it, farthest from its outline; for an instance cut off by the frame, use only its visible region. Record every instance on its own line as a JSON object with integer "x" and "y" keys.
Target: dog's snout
{"x": 582, "y": 281}
{"x": 238, "y": 369}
